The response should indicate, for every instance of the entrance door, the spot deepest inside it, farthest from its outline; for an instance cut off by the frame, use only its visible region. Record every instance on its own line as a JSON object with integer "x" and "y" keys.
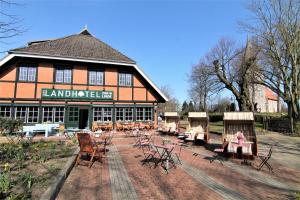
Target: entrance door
{"x": 83, "y": 118}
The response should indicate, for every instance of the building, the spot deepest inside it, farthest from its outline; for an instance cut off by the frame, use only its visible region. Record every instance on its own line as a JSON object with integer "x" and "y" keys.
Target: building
{"x": 75, "y": 80}
{"x": 265, "y": 99}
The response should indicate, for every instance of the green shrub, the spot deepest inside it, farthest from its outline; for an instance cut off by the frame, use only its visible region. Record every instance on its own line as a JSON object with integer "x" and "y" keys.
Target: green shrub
{"x": 43, "y": 156}
{"x": 20, "y": 159}
{"x": 5, "y": 182}
{"x": 8, "y": 152}
{"x": 26, "y": 179}
{"x": 8, "y": 125}
{"x": 215, "y": 117}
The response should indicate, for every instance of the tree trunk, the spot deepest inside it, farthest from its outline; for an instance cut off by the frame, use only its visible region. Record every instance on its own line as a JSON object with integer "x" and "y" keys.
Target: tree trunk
{"x": 291, "y": 119}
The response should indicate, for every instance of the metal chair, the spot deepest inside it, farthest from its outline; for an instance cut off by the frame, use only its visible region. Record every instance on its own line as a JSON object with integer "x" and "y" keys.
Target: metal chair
{"x": 264, "y": 160}
{"x": 219, "y": 153}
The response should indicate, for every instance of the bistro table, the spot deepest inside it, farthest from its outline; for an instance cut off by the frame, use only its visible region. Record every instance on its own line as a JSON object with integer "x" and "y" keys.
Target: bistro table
{"x": 100, "y": 139}
{"x": 166, "y": 155}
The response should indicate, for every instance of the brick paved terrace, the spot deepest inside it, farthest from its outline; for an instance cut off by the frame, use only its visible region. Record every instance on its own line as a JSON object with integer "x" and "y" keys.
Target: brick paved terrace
{"x": 121, "y": 174}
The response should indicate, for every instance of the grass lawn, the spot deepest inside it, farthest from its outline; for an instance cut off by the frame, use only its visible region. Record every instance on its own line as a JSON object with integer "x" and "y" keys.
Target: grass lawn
{"x": 27, "y": 169}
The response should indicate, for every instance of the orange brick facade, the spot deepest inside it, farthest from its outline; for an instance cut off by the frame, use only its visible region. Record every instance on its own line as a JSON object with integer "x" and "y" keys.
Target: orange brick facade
{"x": 14, "y": 93}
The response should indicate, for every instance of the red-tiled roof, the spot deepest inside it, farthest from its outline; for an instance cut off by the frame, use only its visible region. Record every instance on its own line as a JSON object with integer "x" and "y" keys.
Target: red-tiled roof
{"x": 270, "y": 94}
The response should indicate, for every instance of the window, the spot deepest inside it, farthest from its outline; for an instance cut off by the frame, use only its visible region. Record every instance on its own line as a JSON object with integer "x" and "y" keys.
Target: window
{"x": 27, "y": 73}
{"x": 53, "y": 114}
{"x": 125, "y": 79}
{"x": 148, "y": 114}
{"x": 32, "y": 114}
{"x": 5, "y": 111}
{"x": 27, "y": 114}
{"x": 21, "y": 113}
{"x": 73, "y": 114}
{"x": 144, "y": 114}
{"x": 102, "y": 114}
{"x": 59, "y": 113}
{"x": 63, "y": 75}
{"x": 47, "y": 114}
{"x": 124, "y": 114}
{"x": 95, "y": 78}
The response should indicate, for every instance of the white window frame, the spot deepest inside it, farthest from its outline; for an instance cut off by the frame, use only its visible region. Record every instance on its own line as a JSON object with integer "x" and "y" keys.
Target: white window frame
{"x": 60, "y": 116}
{"x": 25, "y": 114}
{"x": 27, "y": 73}
{"x": 54, "y": 111}
{"x": 125, "y": 79}
{"x": 122, "y": 114}
{"x": 63, "y": 75}
{"x": 96, "y": 77}
{"x": 4, "y": 110}
{"x": 144, "y": 114}
{"x": 102, "y": 114}
{"x": 32, "y": 118}
{"x": 48, "y": 118}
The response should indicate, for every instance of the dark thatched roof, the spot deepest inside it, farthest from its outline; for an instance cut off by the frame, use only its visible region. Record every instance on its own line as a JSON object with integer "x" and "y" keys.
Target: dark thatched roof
{"x": 79, "y": 46}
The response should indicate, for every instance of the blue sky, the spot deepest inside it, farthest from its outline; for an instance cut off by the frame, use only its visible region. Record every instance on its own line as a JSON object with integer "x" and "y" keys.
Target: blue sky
{"x": 165, "y": 37}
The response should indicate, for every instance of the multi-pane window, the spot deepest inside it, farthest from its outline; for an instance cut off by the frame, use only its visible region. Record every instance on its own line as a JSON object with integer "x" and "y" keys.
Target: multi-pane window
{"x": 148, "y": 114}
{"x": 27, "y": 114}
{"x": 32, "y": 114}
{"x": 73, "y": 114}
{"x": 63, "y": 75}
{"x": 103, "y": 114}
{"x": 27, "y": 73}
{"x": 125, "y": 79}
{"x": 59, "y": 113}
{"x": 124, "y": 114}
{"x": 5, "y": 111}
{"x": 53, "y": 114}
{"x": 20, "y": 113}
{"x": 47, "y": 114}
{"x": 144, "y": 114}
{"x": 96, "y": 78}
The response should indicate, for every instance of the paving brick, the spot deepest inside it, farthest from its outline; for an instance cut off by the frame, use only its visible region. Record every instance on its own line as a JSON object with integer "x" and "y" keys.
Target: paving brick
{"x": 122, "y": 176}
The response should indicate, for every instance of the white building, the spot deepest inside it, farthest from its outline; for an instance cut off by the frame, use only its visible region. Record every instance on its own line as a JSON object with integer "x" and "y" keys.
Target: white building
{"x": 265, "y": 99}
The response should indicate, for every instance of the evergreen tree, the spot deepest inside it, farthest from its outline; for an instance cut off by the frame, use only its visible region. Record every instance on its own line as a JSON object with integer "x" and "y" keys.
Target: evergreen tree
{"x": 185, "y": 108}
{"x": 191, "y": 107}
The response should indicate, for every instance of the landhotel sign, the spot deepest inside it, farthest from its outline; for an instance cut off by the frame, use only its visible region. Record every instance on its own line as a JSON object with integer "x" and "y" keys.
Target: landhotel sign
{"x": 76, "y": 94}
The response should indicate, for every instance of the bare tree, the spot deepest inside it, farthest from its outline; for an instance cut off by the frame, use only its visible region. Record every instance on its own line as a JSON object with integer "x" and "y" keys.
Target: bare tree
{"x": 235, "y": 67}
{"x": 276, "y": 27}
{"x": 10, "y": 25}
{"x": 203, "y": 84}
{"x": 172, "y": 104}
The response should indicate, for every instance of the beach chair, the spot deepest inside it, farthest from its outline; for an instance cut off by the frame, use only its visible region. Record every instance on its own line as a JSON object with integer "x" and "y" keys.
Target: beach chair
{"x": 190, "y": 135}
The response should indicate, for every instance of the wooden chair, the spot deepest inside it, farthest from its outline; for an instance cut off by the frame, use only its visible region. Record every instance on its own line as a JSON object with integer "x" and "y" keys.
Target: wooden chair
{"x": 136, "y": 125}
{"x": 95, "y": 126}
{"x": 87, "y": 147}
{"x": 264, "y": 160}
{"x": 119, "y": 126}
{"x": 109, "y": 126}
